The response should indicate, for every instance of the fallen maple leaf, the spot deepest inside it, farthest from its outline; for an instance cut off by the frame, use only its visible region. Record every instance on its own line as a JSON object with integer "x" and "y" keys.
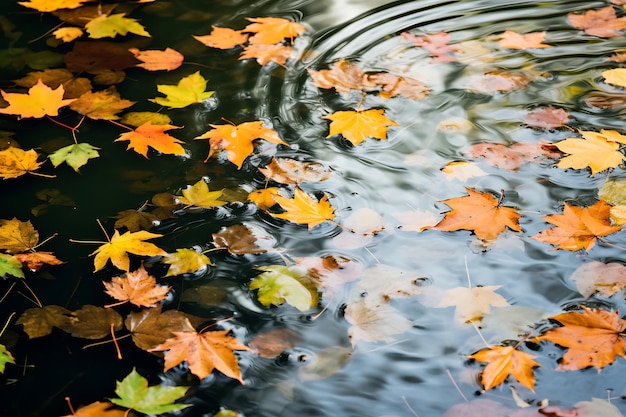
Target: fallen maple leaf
{"x": 274, "y": 342}
{"x": 303, "y": 209}
{"x": 278, "y": 284}
{"x": 153, "y": 136}
{"x": 97, "y": 409}
{"x": 101, "y": 105}
{"x": 185, "y": 261}
{"x": 499, "y": 82}
{"x": 480, "y": 213}
{"x": 547, "y": 117}
{"x": 390, "y": 85}
{"x": 266, "y": 53}
{"x": 382, "y": 283}
{"x": 119, "y": 246}
{"x": 437, "y": 45}
{"x": 578, "y": 227}
{"x": 342, "y": 75}
{"x": 52, "y": 5}
{"x": 462, "y": 170}
{"x": 34, "y": 261}
{"x": 615, "y": 76}
{"x": 199, "y": 195}
{"x": 504, "y": 361}
{"x": 73, "y": 86}
{"x": 602, "y": 22}
{"x": 203, "y": 353}
{"x": 472, "y": 304}
{"x": 291, "y": 171}
{"x": 137, "y": 287}
{"x": 513, "y": 156}
{"x": 356, "y": 126}
{"x": 264, "y": 199}
{"x": 109, "y": 26}
{"x": 237, "y": 139}
{"x": 514, "y": 40}
{"x": 134, "y": 393}
{"x": 155, "y": 60}
{"x": 17, "y": 236}
{"x": 223, "y": 38}
{"x": 242, "y": 239}
{"x": 39, "y": 322}
{"x": 40, "y": 101}
{"x": 75, "y": 155}
{"x": 374, "y": 323}
{"x": 68, "y": 34}
{"x": 271, "y": 30}
{"x": 151, "y": 326}
{"x": 15, "y": 162}
{"x": 10, "y": 265}
{"x": 598, "y": 151}
{"x": 606, "y": 279}
{"x": 594, "y": 337}
{"x": 189, "y": 90}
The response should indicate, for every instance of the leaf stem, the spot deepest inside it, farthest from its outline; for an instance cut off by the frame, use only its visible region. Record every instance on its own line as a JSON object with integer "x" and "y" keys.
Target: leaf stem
{"x": 7, "y": 323}
{"x": 99, "y": 242}
{"x": 121, "y": 125}
{"x": 33, "y": 293}
{"x": 456, "y": 385}
{"x": 610, "y": 244}
{"x": 104, "y": 230}
{"x": 117, "y": 347}
{"x": 44, "y": 241}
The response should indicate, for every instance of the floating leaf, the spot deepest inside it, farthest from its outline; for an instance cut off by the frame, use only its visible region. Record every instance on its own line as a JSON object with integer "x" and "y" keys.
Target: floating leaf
{"x": 10, "y": 265}
{"x": 291, "y": 171}
{"x": 382, "y": 283}
{"x": 52, "y": 5}
{"x": 374, "y": 323}
{"x": 606, "y": 279}
{"x": 274, "y": 342}
{"x": 356, "y": 126}
{"x": 119, "y": 246}
{"x": 472, "y": 304}
{"x": 185, "y": 261}
{"x": 264, "y": 54}
{"x": 75, "y": 155}
{"x": 223, "y": 38}
{"x": 98, "y": 409}
{"x": 270, "y": 30}
{"x": 155, "y": 60}
{"x": 39, "y": 322}
{"x": 5, "y": 357}
{"x": 92, "y": 322}
{"x": 189, "y": 90}
{"x": 73, "y": 86}
{"x": 151, "y": 326}
{"x": 199, "y": 195}
{"x": 279, "y": 284}
{"x": 241, "y": 239}
{"x": 462, "y": 171}
{"x": 437, "y": 45}
{"x": 101, "y": 105}
{"x": 15, "y": 162}
{"x": 138, "y": 118}
{"x": 112, "y": 25}
{"x": 68, "y": 34}
{"x": 514, "y": 40}
{"x": 34, "y": 261}
{"x": 137, "y": 287}
{"x": 601, "y": 22}
{"x": 153, "y": 136}
{"x": 615, "y": 76}
{"x": 17, "y": 236}
{"x": 504, "y": 361}
{"x": 134, "y": 393}
{"x": 513, "y": 156}
{"x": 598, "y": 151}
{"x": 547, "y": 117}
{"x": 40, "y": 101}
{"x": 303, "y": 209}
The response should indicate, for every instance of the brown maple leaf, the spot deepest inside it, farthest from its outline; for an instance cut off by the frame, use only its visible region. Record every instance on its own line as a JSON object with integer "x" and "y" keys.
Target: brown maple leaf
{"x": 547, "y": 117}
{"x": 153, "y": 136}
{"x": 480, "y": 213}
{"x": 291, "y": 171}
{"x": 602, "y": 22}
{"x": 203, "y": 352}
{"x": 594, "y": 337}
{"x": 513, "y": 156}
{"x": 497, "y": 81}
{"x": 578, "y": 227}
{"x": 137, "y": 287}
{"x": 504, "y": 361}
{"x": 342, "y": 75}
{"x": 34, "y": 261}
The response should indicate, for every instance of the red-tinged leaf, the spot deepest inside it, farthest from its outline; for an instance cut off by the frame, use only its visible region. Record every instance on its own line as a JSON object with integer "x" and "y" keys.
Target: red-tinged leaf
{"x": 155, "y": 60}
{"x": 437, "y": 45}
{"x": 601, "y": 22}
{"x": 153, "y": 136}
{"x": 547, "y": 117}
{"x": 514, "y": 156}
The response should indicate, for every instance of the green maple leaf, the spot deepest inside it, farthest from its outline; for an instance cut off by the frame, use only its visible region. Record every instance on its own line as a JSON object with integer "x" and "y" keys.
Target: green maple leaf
{"x": 189, "y": 90}
{"x": 5, "y": 357}
{"x": 279, "y": 284}
{"x": 110, "y": 26}
{"x": 9, "y": 265}
{"x": 75, "y": 155}
{"x": 135, "y": 394}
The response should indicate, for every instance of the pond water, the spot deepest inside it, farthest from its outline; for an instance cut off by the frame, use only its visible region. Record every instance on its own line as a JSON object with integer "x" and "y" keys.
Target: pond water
{"x": 385, "y": 189}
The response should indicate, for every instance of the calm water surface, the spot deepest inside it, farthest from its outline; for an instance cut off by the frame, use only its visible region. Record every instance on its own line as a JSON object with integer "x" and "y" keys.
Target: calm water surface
{"x": 324, "y": 374}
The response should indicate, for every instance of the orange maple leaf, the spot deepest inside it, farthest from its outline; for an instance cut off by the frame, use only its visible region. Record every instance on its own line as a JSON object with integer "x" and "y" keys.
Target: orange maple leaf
{"x": 270, "y": 30}
{"x": 514, "y": 40}
{"x": 303, "y": 209}
{"x": 36, "y": 260}
{"x": 155, "y": 60}
{"x": 602, "y": 22}
{"x": 578, "y": 227}
{"x": 266, "y": 53}
{"x": 101, "y": 105}
{"x": 480, "y": 213}
{"x": 342, "y": 75}
{"x": 594, "y": 338}
{"x": 223, "y": 38}
{"x": 40, "y": 101}
{"x": 203, "y": 352}
{"x": 154, "y": 136}
{"x": 137, "y": 287}
{"x": 237, "y": 139}
{"x": 98, "y": 409}
{"x": 504, "y": 361}
{"x": 356, "y": 126}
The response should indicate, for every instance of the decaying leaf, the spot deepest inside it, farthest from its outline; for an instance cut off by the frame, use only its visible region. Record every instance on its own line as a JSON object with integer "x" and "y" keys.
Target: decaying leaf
{"x": 547, "y": 117}
{"x": 472, "y": 304}
{"x": 241, "y": 239}
{"x": 578, "y": 227}
{"x": 291, "y": 171}
{"x": 137, "y": 287}
{"x": 274, "y": 342}
{"x": 606, "y": 279}
{"x": 73, "y": 86}
{"x": 278, "y": 284}
{"x": 92, "y": 322}
{"x": 499, "y": 82}
{"x": 304, "y": 209}
{"x": 513, "y": 156}
{"x": 374, "y": 323}
{"x": 504, "y": 361}
{"x": 39, "y": 322}
{"x": 382, "y": 283}
{"x": 601, "y": 22}
{"x": 109, "y": 26}
{"x": 480, "y": 213}
{"x": 185, "y": 261}
{"x": 594, "y": 337}
{"x": 325, "y": 363}
{"x": 356, "y": 126}
{"x": 34, "y": 261}
{"x": 15, "y": 162}
{"x": 437, "y": 45}
{"x": 417, "y": 220}
{"x": 17, "y": 236}
{"x": 203, "y": 353}
{"x": 513, "y": 40}
{"x": 151, "y": 327}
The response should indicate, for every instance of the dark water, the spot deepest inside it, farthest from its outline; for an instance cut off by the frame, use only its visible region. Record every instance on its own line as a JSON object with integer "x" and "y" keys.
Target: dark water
{"x": 326, "y": 373}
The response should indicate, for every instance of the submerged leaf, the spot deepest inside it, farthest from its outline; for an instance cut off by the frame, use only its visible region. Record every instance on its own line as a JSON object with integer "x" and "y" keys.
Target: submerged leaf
{"x": 278, "y": 284}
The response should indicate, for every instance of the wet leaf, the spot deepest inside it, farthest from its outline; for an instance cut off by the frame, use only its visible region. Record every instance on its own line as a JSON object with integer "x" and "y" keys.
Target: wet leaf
{"x": 241, "y": 239}
{"x": 137, "y": 287}
{"x": 138, "y": 118}
{"x": 264, "y": 54}
{"x": 155, "y": 60}
{"x": 34, "y": 261}
{"x": 325, "y": 363}
{"x": 615, "y": 76}
{"x": 606, "y": 279}
{"x": 417, "y": 220}
{"x": 10, "y": 265}
{"x": 472, "y": 304}
{"x": 92, "y": 322}
{"x": 513, "y": 40}
{"x": 109, "y": 26}
{"x": 597, "y": 407}
{"x": 73, "y": 86}
{"x": 40, "y": 101}
{"x": 279, "y": 284}
{"x": 382, "y": 283}
{"x": 504, "y": 361}
{"x": 513, "y": 156}
{"x": 5, "y": 357}
{"x": 39, "y": 322}
{"x": 578, "y": 227}
{"x": 134, "y": 393}
{"x": 356, "y": 126}
{"x": 189, "y": 90}
{"x": 199, "y": 195}
{"x": 331, "y": 271}
{"x": 185, "y": 261}
{"x": 462, "y": 171}
{"x": 135, "y": 220}
{"x": 151, "y": 327}
{"x": 374, "y": 323}
{"x": 481, "y": 213}
{"x": 291, "y": 171}
{"x": 153, "y": 136}
{"x": 101, "y": 105}
{"x": 304, "y": 209}
{"x": 223, "y": 38}
{"x": 601, "y": 22}
{"x": 15, "y": 162}
{"x": 17, "y": 236}
{"x": 203, "y": 353}
{"x": 238, "y": 140}
{"x": 547, "y": 117}
{"x": 118, "y": 248}
{"x": 98, "y": 409}
{"x": 598, "y": 151}
{"x": 264, "y": 199}
{"x": 390, "y": 85}
{"x": 52, "y": 5}
{"x": 593, "y": 338}
{"x": 499, "y": 82}
{"x": 343, "y": 76}
{"x": 68, "y": 34}
{"x": 94, "y": 57}
{"x": 271, "y": 30}
{"x": 437, "y": 45}
{"x": 75, "y": 155}
{"x": 274, "y": 342}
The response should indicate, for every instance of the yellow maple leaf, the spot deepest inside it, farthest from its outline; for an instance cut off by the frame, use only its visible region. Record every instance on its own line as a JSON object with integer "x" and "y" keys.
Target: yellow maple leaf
{"x": 504, "y": 361}
{"x": 104, "y": 26}
{"x": 137, "y": 287}
{"x": 184, "y": 261}
{"x": 68, "y": 34}
{"x": 356, "y": 126}
{"x": 52, "y": 5}
{"x": 15, "y": 162}
{"x": 153, "y": 136}
{"x": 615, "y": 76}
{"x": 597, "y": 151}
{"x": 303, "y": 209}
{"x": 237, "y": 139}
{"x": 189, "y": 90}
{"x": 270, "y": 30}
{"x": 199, "y": 195}
{"x": 119, "y": 246}
{"x": 40, "y": 101}
{"x": 17, "y": 236}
